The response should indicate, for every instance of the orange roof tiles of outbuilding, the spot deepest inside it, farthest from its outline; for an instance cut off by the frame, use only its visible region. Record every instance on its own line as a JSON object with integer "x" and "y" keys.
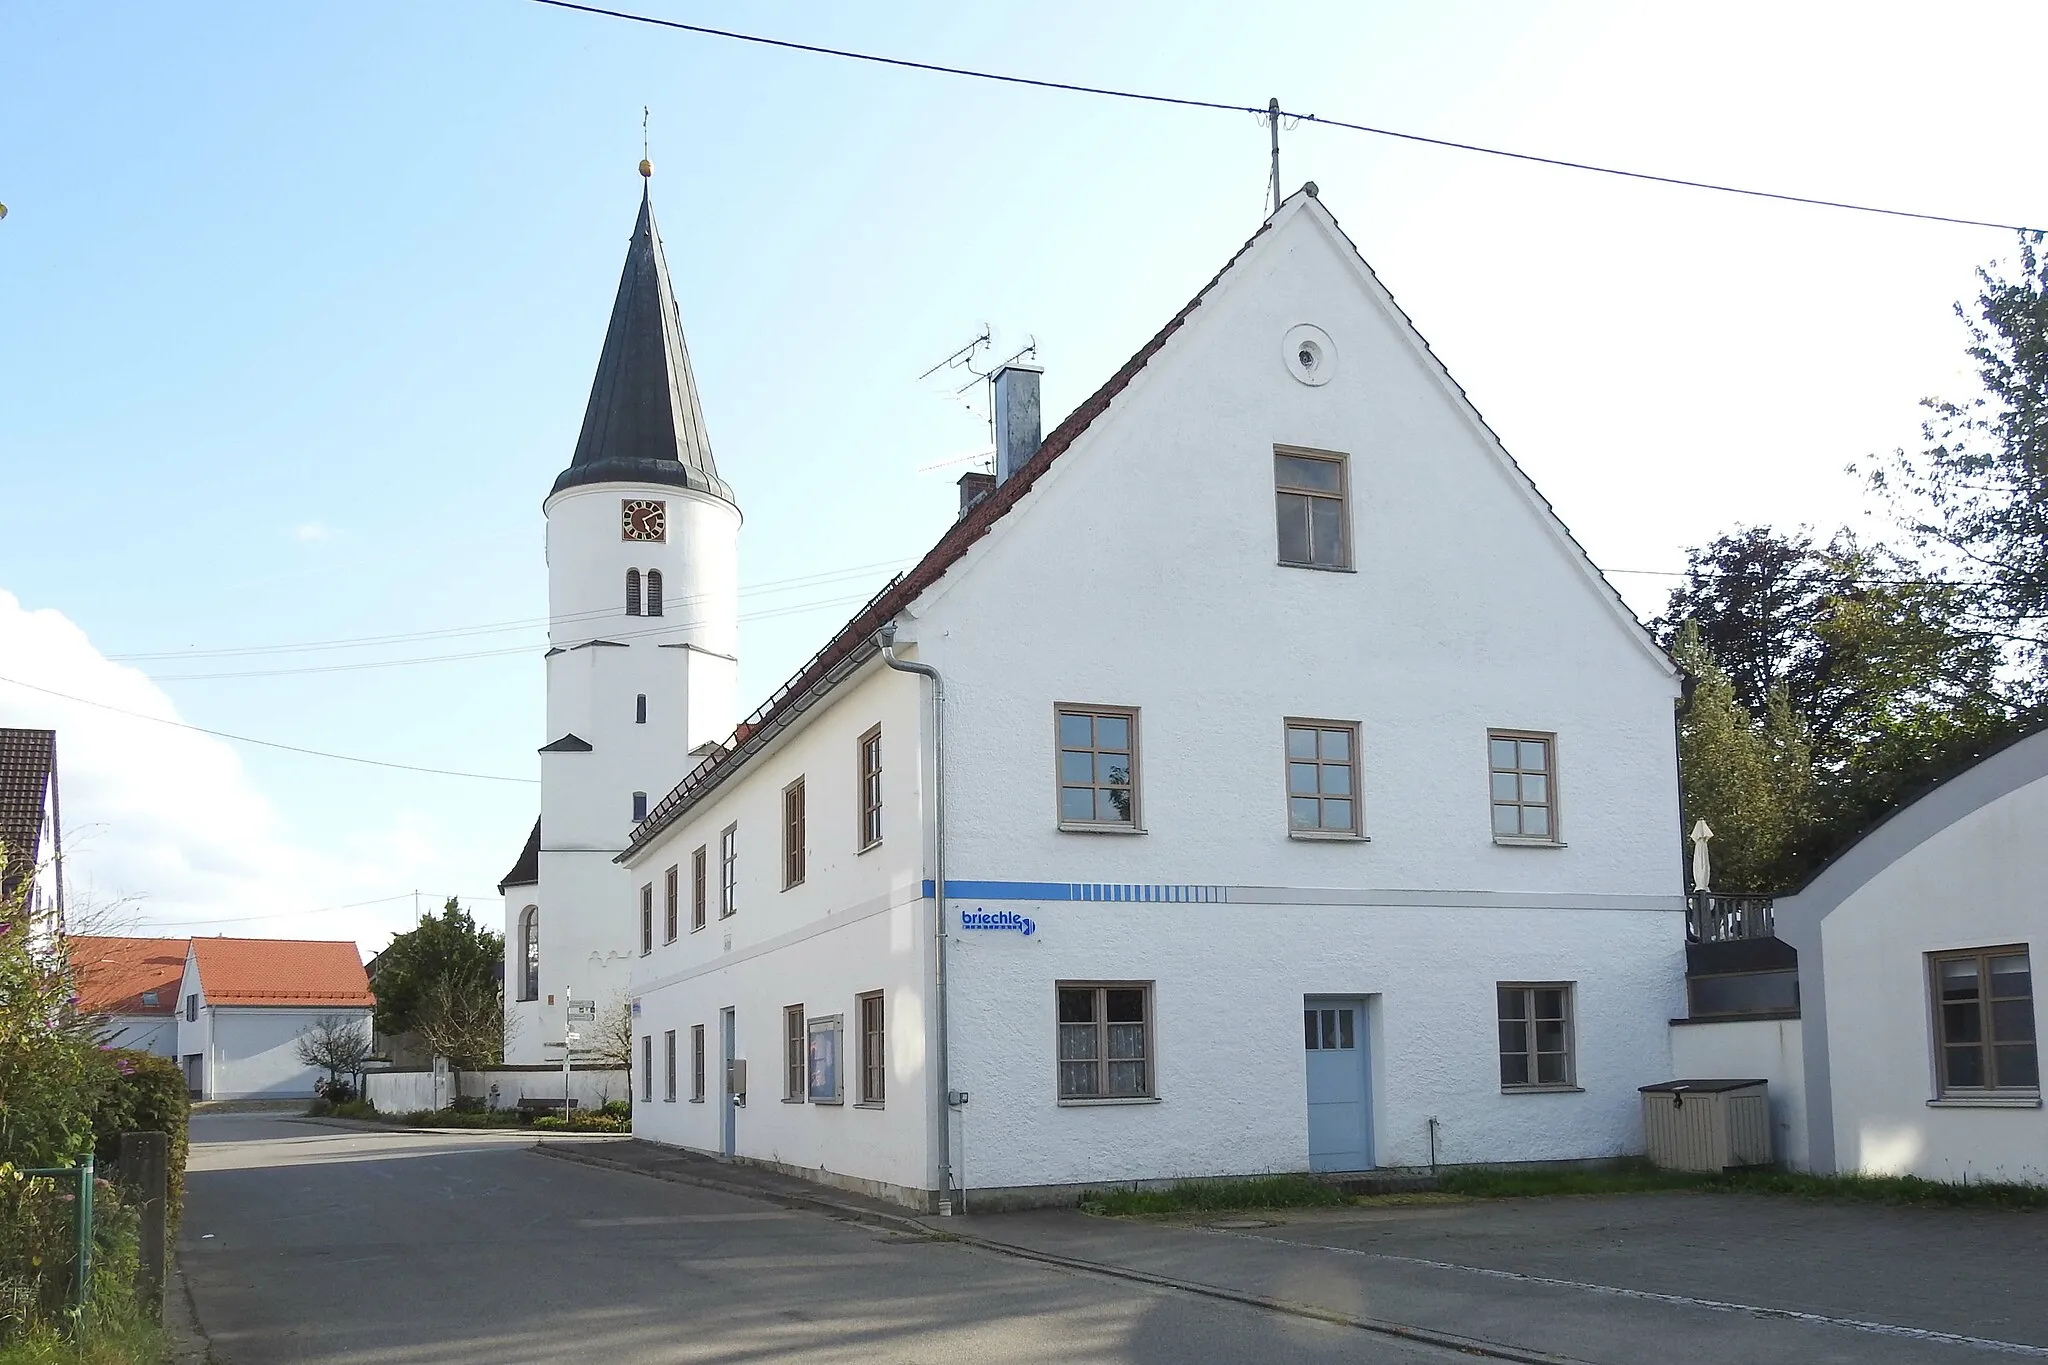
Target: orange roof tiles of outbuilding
{"x": 114, "y": 973}
{"x": 281, "y": 971}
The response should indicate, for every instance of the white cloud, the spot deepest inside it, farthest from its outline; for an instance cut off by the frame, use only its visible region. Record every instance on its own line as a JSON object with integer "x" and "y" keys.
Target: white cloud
{"x": 310, "y": 531}
{"x": 164, "y": 825}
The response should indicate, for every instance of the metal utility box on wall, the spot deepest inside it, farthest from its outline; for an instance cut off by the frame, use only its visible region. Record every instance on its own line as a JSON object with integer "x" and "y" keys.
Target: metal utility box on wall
{"x": 1707, "y": 1125}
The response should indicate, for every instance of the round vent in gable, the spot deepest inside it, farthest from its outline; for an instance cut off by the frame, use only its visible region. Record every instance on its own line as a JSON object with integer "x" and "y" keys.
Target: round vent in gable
{"x": 1309, "y": 354}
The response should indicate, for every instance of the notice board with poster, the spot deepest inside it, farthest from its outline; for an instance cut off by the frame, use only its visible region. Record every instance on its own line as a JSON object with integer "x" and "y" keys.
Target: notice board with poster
{"x": 822, "y": 1058}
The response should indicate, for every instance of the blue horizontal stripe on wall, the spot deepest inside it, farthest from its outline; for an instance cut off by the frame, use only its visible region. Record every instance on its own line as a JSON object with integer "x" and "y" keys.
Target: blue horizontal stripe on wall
{"x": 1081, "y": 891}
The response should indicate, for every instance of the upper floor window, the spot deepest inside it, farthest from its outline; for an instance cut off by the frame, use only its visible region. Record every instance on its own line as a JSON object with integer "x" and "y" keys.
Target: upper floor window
{"x": 669, "y": 899}
{"x": 640, "y": 709}
{"x": 697, "y": 861}
{"x": 793, "y": 834}
{"x": 1312, "y": 491}
{"x": 529, "y": 953}
{"x": 1522, "y": 781}
{"x": 149, "y": 997}
{"x": 654, "y": 592}
{"x": 191, "y": 1009}
{"x": 639, "y": 807}
{"x": 632, "y": 592}
{"x": 1098, "y": 766}
{"x": 1322, "y": 777}
{"x": 1984, "y": 1023}
{"x": 871, "y": 789}
{"x": 647, "y": 918}
{"x": 728, "y": 871}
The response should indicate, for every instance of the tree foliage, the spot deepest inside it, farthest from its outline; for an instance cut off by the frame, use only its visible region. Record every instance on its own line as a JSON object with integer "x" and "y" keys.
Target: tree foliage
{"x": 461, "y": 1016}
{"x": 1750, "y": 780}
{"x": 448, "y": 947}
{"x": 1976, "y": 493}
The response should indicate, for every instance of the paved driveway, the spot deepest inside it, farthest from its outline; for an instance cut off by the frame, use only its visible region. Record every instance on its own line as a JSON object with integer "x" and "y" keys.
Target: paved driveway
{"x": 304, "y": 1243}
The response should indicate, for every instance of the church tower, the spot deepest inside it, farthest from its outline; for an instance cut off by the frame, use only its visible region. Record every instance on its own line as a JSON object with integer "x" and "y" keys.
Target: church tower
{"x": 642, "y": 668}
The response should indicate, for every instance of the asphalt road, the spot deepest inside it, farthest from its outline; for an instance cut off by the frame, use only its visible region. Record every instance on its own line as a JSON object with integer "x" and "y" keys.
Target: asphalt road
{"x": 303, "y": 1243}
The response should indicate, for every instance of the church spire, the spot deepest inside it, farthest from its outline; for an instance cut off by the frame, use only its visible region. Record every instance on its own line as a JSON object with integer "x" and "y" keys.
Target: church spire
{"x": 644, "y": 423}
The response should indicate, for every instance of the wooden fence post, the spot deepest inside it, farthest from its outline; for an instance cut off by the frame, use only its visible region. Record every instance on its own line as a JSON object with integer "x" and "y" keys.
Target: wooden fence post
{"x": 145, "y": 1171}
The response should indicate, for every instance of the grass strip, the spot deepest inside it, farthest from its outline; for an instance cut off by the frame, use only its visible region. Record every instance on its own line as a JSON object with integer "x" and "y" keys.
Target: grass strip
{"x": 1217, "y": 1196}
{"x": 1640, "y": 1177}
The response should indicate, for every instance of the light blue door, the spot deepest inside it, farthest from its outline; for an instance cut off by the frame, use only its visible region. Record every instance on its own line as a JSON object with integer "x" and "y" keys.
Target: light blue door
{"x": 1339, "y": 1106}
{"x": 727, "y": 1138}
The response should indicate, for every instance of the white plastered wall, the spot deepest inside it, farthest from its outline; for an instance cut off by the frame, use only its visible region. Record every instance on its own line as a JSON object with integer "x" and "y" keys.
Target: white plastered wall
{"x": 1762, "y": 1049}
{"x": 254, "y": 1050}
{"x": 1974, "y": 884}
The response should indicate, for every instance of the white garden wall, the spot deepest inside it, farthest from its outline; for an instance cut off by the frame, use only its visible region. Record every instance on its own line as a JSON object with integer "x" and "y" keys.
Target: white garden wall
{"x": 1764, "y": 1049}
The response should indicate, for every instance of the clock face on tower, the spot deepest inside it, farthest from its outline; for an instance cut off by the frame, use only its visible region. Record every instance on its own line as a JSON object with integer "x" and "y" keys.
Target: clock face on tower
{"x": 643, "y": 519}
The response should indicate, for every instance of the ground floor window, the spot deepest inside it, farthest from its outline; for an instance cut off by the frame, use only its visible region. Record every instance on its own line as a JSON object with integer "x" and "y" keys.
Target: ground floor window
{"x": 1535, "y": 1035}
{"x": 697, "y": 1063}
{"x": 1105, "y": 1040}
{"x": 647, "y": 1066}
{"x": 874, "y": 1056}
{"x": 1984, "y": 1022}
{"x": 668, "y": 1058}
{"x": 793, "y": 1058}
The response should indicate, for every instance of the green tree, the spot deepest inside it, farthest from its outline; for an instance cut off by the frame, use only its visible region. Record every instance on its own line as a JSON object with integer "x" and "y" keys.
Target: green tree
{"x": 1751, "y": 780}
{"x": 1976, "y": 493}
{"x": 449, "y": 947}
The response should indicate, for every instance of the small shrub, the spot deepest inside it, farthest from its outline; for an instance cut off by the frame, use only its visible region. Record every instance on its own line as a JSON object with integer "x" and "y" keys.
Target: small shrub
{"x": 551, "y": 1121}
{"x": 140, "y": 1092}
{"x": 356, "y": 1109}
{"x": 618, "y": 1109}
{"x": 320, "y": 1108}
{"x": 468, "y": 1104}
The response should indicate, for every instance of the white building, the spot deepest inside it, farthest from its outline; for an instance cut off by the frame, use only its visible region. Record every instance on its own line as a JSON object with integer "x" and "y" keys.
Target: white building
{"x": 1296, "y": 795}
{"x": 1908, "y": 1046}
{"x": 131, "y": 987}
{"x": 247, "y": 1001}
{"x": 643, "y": 564}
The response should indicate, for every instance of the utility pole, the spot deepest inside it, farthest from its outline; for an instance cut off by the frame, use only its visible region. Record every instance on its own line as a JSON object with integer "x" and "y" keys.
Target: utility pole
{"x": 1273, "y": 123}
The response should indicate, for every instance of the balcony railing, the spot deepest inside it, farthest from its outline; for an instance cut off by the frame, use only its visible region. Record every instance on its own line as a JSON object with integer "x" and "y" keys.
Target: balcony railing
{"x": 1713, "y": 917}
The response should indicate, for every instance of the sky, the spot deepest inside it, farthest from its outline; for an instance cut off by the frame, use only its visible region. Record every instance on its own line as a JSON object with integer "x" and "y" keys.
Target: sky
{"x": 299, "y": 306}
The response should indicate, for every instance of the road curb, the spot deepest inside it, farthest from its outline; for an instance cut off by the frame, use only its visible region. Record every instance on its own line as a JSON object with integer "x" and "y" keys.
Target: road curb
{"x": 926, "y": 1227}
{"x": 810, "y": 1203}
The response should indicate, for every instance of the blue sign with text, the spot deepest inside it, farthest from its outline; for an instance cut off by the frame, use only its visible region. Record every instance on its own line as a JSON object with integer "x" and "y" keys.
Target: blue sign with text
{"x": 1006, "y": 920}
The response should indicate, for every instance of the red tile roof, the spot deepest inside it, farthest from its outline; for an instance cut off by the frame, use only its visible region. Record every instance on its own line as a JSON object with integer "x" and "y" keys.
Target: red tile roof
{"x": 952, "y": 546}
{"x": 113, "y": 973}
{"x": 281, "y": 971}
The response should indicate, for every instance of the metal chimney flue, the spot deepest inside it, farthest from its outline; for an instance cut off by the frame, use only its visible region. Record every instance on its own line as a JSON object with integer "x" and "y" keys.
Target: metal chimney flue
{"x": 1015, "y": 407}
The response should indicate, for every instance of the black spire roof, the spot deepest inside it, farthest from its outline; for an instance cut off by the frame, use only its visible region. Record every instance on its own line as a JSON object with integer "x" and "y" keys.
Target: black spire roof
{"x": 644, "y": 423}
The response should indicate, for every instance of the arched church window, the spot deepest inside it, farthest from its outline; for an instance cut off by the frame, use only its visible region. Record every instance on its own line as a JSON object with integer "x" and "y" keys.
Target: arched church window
{"x": 529, "y": 953}
{"x": 654, "y": 592}
{"x": 632, "y": 592}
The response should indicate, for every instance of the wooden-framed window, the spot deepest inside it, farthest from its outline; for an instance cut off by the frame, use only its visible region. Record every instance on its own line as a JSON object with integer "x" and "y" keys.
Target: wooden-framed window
{"x": 1984, "y": 1023}
{"x": 647, "y": 1067}
{"x": 793, "y": 1054}
{"x": 874, "y": 1052}
{"x": 697, "y": 872}
{"x": 1312, "y": 489}
{"x": 1536, "y": 1035}
{"x": 696, "y": 1064}
{"x": 1098, "y": 766}
{"x": 529, "y": 953}
{"x": 632, "y": 592}
{"x": 793, "y": 834}
{"x": 671, "y": 897}
{"x": 1105, "y": 1040}
{"x": 728, "y": 871}
{"x": 647, "y": 919}
{"x": 1522, "y": 785}
{"x": 1322, "y": 777}
{"x": 668, "y": 1058}
{"x": 654, "y": 592}
{"x": 870, "y": 771}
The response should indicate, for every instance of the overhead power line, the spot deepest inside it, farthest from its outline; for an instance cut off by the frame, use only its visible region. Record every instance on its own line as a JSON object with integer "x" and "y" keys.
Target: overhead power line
{"x": 1268, "y": 112}
{"x": 268, "y": 743}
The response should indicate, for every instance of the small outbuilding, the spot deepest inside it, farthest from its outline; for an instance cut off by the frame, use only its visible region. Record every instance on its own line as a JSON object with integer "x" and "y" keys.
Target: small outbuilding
{"x": 246, "y": 1003}
{"x": 131, "y": 985}
{"x": 1909, "y": 1044}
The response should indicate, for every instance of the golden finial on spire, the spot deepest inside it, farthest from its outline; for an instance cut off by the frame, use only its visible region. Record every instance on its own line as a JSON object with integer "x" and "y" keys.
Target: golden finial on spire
{"x": 646, "y": 166}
